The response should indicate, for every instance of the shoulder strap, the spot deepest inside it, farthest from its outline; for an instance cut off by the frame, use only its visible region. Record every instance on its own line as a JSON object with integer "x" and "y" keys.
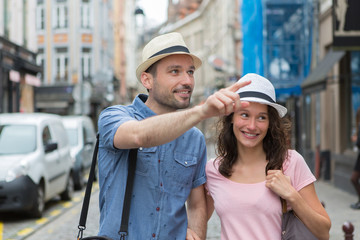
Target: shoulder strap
{"x": 129, "y": 185}
{"x": 128, "y": 191}
{"x": 85, "y": 206}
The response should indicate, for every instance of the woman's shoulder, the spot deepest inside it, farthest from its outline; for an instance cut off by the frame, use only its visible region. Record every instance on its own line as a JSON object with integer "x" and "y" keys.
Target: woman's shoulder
{"x": 210, "y": 163}
{"x": 292, "y": 153}
{"x": 296, "y": 167}
{"x": 293, "y": 157}
{"x": 212, "y": 166}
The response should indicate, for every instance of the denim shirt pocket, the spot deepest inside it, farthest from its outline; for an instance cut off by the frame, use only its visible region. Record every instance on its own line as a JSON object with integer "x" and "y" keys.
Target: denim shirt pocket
{"x": 145, "y": 157}
{"x": 184, "y": 167}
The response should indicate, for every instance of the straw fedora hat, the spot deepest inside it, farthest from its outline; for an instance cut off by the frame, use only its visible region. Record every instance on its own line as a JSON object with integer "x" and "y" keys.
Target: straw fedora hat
{"x": 260, "y": 90}
{"x": 163, "y": 46}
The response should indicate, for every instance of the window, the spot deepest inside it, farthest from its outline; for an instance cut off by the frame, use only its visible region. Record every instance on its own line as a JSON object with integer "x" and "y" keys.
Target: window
{"x": 355, "y": 84}
{"x": 6, "y": 18}
{"x": 61, "y": 15}
{"x": 17, "y": 139}
{"x": 61, "y": 64}
{"x": 40, "y": 59}
{"x": 307, "y": 119}
{"x": 61, "y": 141}
{"x": 84, "y": 136}
{"x": 46, "y": 136}
{"x": 72, "y": 134}
{"x": 25, "y": 11}
{"x": 287, "y": 43}
{"x": 40, "y": 16}
{"x": 86, "y": 63}
{"x": 86, "y": 14}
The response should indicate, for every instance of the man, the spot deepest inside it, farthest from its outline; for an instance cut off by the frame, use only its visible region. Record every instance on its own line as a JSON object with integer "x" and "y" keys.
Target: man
{"x": 171, "y": 157}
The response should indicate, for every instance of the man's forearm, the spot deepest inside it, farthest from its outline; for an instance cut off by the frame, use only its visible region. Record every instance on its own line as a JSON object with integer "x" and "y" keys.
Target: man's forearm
{"x": 166, "y": 127}
{"x": 196, "y": 210}
{"x": 197, "y": 222}
{"x": 157, "y": 130}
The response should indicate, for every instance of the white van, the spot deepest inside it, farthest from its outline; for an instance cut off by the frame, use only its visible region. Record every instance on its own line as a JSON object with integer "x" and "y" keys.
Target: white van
{"x": 82, "y": 139}
{"x": 35, "y": 162}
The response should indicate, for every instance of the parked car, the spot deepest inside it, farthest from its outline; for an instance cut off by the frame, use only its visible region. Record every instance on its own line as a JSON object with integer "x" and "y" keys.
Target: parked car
{"x": 35, "y": 162}
{"x": 82, "y": 138}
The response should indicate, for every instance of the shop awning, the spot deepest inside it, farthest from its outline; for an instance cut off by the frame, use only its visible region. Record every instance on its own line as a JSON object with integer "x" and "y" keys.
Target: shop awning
{"x": 51, "y": 105}
{"x": 317, "y": 78}
{"x": 32, "y": 80}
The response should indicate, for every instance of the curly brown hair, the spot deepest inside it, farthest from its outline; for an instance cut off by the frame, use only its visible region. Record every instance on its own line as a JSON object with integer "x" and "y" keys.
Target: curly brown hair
{"x": 275, "y": 143}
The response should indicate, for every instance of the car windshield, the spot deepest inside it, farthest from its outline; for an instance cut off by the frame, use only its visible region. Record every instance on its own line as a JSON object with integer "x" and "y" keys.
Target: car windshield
{"x": 72, "y": 134}
{"x": 17, "y": 139}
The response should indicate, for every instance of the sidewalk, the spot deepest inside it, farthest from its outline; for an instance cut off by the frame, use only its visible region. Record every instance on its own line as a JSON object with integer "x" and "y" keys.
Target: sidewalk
{"x": 337, "y": 204}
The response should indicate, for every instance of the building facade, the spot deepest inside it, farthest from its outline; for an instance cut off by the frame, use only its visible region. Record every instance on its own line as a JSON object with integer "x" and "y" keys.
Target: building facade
{"x": 83, "y": 51}
{"x": 75, "y": 46}
{"x": 331, "y": 94}
{"x": 218, "y": 44}
{"x": 19, "y": 72}
{"x": 312, "y": 57}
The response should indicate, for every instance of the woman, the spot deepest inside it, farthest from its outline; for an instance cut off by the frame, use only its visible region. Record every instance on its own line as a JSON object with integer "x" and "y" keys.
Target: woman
{"x": 355, "y": 175}
{"x": 255, "y": 167}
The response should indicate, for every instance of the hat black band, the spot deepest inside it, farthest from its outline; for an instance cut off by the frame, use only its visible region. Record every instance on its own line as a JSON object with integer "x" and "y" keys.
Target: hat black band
{"x": 256, "y": 95}
{"x": 171, "y": 50}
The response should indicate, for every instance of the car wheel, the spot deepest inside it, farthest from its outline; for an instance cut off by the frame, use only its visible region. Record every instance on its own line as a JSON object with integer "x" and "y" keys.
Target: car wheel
{"x": 77, "y": 180}
{"x": 96, "y": 174}
{"x": 80, "y": 183}
{"x": 39, "y": 204}
{"x": 69, "y": 191}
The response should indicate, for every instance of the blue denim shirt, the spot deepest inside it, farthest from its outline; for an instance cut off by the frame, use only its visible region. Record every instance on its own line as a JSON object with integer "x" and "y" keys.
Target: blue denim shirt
{"x": 164, "y": 177}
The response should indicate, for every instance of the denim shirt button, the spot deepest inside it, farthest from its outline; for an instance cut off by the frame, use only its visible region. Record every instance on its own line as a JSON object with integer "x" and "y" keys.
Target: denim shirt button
{"x": 153, "y": 235}
{"x": 186, "y": 163}
{"x": 140, "y": 148}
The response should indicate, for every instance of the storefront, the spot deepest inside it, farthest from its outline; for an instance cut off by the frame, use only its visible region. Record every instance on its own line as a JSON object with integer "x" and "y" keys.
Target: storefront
{"x": 331, "y": 97}
{"x": 66, "y": 100}
{"x": 18, "y": 77}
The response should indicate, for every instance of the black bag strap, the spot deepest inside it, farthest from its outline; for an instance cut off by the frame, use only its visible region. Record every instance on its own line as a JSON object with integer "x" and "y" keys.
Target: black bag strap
{"x": 128, "y": 191}
{"x": 85, "y": 206}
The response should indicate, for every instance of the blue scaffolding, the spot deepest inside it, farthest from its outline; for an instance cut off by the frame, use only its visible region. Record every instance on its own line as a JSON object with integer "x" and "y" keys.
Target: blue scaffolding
{"x": 277, "y": 42}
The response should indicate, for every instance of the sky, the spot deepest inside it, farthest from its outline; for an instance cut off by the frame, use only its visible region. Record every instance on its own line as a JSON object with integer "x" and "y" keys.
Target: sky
{"x": 155, "y": 10}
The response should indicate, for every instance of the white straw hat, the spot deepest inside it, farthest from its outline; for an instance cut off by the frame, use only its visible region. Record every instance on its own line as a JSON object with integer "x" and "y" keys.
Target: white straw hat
{"x": 260, "y": 90}
{"x": 163, "y": 46}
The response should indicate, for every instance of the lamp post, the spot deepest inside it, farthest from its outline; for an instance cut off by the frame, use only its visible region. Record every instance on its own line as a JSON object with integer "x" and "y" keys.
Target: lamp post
{"x": 139, "y": 24}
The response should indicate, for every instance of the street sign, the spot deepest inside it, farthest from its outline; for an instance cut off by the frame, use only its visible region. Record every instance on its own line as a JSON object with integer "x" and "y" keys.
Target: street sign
{"x": 82, "y": 91}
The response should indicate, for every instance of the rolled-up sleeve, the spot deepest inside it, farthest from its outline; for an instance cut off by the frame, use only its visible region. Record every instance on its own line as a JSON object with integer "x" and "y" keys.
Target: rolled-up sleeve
{"x": 110, "y": 120}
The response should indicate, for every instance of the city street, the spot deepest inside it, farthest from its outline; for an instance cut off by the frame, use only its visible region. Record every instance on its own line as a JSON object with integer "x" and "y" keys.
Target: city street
{"x": 18, "y": 226}
{"x": 64, "y": 224}
{"x": 64, "y": 62}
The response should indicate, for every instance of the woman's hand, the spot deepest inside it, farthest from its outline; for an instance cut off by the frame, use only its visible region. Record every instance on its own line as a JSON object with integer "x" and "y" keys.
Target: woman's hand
{"x": 279, "y": 184}
{"x": 191, "y": 235}
{"x": 305, "y": 203}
